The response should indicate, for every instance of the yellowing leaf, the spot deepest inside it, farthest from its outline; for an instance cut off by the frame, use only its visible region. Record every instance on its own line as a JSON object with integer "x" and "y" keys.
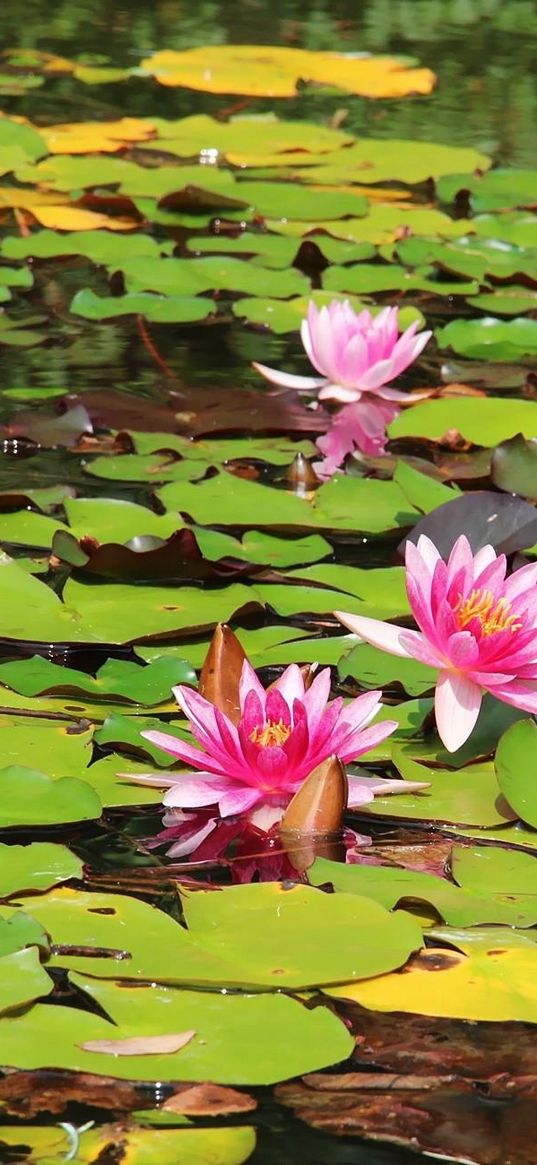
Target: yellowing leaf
{"x": 74, "y": 218}
{"x": 140, "y": 1045}
{"x": 267, "y": 71}
{"x": 92, "y": 136}
{"x": 495, "y": 979}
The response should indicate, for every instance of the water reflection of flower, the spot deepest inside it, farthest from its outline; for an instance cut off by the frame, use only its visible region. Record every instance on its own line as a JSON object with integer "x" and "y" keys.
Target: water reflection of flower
{"x": 357, "y": 355}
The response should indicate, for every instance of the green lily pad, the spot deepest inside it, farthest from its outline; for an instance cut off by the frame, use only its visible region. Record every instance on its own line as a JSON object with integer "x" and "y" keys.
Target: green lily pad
{"x": 35, "y": 867}
{"x": 102, "y": 247}
{"x": 117, "y": 678}
{"x": 286, "y": 315}
{"x": 469, "y": 796}
{"x": 120, "y": 613}
{"x": 518, "y": 227}
{"x": 485, "y": 421}
{"x": 169, "y": 309}
{"x": 116, "y": 520}
{"x": 291, "y": 200}
{"x": 19, "y": 930}
{"x": 22, "y": 980}
{"x": 344, "y": 503}
{"x": 514, "y": 466}
{"x": 395, "y": 887}
{"x": 51, "y": 1144}
{"x": 425, "y": 493}
{"x": 276, "y": 250}
{"x": 501, "y": 189}
{"x": 375, "y": 160}
{"x": 369, "y": 278}
{"x": 374, "y": 668}
{"x": 490, "y": 338}
{"x": 294, "y": 937}
{"x": 33, "y": 798}
{"x": 25, "y": 528}
{"x": 475, "y": 258}
{"x": 379, "y": 593}
{"x": 507, "y": 301}
{"x": 23, "y": 137}
{"x": 226, "y": 1049}
{"x": 182, "y": 277}
{"x": 489, "y": 870}
{"x": 515, "y": 761}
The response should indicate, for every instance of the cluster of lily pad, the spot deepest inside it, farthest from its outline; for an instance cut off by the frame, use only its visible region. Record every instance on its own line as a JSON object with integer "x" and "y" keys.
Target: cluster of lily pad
{"x": 109, "y": 602}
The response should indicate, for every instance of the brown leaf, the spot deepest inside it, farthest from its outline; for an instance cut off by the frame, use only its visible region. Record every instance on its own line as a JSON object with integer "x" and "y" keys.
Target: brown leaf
{"x": 140, "y": 1045}
{"x": 209, "y": 1100}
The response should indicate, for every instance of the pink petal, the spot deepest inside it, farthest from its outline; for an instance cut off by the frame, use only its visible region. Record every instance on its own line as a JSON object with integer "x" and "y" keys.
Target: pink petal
{"x": 178, "y": 748}
{"x": 360, "y": 712}
{"x": 316, "y": 698}
{"x": 366, "y": 740}
{"x": 359, "y": 794}
{"x": 238, "y": 800}
{"x": 191, "y": 841}
{"x": 161, "y": 780}
{"x": 290, "y": 685}
{"x": 253, "y": 715}
{"x": 339, "y": 393}
{"x": 250, "y": 682}
{"x": 374, "y": 631}
{"x": 288, "y": 380}
{"x": 193, "y": 792}
{"x": 521, "y": 694}
{"x": 456, "y": 704}
{"x": 428, "y": 551}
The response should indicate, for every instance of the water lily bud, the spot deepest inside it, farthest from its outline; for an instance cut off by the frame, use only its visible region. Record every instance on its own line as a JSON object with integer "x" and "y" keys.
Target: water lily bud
{"x": 221, "y": 672}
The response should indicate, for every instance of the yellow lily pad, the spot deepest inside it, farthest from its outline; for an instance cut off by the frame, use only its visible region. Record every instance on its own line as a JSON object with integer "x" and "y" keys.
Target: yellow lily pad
{"x": 269, "y": 71}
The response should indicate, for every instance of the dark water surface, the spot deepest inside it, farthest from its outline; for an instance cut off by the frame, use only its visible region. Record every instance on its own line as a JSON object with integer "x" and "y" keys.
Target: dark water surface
{"x": 483, "y": 52}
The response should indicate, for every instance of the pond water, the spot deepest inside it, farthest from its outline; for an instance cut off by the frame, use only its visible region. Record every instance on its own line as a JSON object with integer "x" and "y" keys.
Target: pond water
{"x": 122, "y": 387}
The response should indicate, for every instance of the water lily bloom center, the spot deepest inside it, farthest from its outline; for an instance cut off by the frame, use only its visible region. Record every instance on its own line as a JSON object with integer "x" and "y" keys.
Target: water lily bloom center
{"x": 478, "y": 629}
{"x": 491, "y": 616}
{"x": 271, "y": 735}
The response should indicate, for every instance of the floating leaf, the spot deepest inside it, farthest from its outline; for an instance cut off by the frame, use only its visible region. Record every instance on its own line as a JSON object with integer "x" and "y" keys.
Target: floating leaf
{"x": 169, "y": 309}
{"x": 374, "y": 668}
{"x": 227, "y": 1048}
{"x": 116, "y": 678}
{"x": 513, "y": 466}
{"x": 22, "y": 980}
{"x": 35, "y": 867}
{"x": 515, "y": 759}
{"x": 395, "y": 888}
{"x": 268, "y": 71}
{"x": 52, "y": 1143}
{"x": 470, "y": 796}
{"x": 483, "y": 421}
{"x": 33, "y": 798}
{"x": 494, "y": 979}
{"x": 490, "y": 338}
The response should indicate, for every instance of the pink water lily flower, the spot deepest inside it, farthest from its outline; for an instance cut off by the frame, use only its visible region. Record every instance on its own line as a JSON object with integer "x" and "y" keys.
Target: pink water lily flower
{"x": 477, "y": 628}
{"x": 254, "y": 768}
{"x": 355, "y": 353}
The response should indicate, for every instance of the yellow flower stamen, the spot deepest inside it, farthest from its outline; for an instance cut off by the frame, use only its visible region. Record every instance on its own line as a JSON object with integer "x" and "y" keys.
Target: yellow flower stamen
{"x": 493, "y": 616}
{"x": 271, "y": 734}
